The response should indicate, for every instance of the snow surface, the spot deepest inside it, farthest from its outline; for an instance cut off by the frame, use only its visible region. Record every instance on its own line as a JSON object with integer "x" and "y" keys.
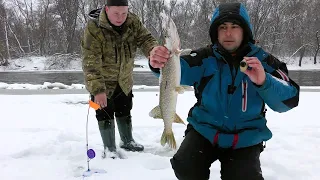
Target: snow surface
{"x": 43, "y": 137}
{"x": 45, "y": 85}
{"x": 44, "y": 64}
{"x": 57, "y": 85}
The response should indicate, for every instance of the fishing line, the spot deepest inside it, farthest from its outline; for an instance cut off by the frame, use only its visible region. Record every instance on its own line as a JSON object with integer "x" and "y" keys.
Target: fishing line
{"x": 87, "y": 139}
{"x": 90, "y": 152}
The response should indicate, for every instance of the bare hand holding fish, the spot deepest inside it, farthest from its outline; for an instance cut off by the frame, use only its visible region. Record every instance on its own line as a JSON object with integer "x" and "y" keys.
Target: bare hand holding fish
{"x": 159, "y": 56}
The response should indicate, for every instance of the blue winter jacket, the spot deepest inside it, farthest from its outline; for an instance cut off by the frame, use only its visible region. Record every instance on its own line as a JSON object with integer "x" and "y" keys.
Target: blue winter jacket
{"x": 230, "y": 109}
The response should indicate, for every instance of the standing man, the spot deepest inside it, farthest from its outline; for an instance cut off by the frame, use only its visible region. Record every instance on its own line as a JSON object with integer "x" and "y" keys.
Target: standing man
{"x": 111, "y": 38}
{"x": 228, "y": 121}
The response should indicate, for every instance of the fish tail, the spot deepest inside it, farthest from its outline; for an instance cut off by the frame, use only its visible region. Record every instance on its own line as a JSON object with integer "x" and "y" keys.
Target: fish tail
{"x": 168, "y": 138}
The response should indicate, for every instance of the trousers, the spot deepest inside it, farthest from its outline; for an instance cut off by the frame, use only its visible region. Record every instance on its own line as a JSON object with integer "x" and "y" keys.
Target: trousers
{"x": 196, "y": 154}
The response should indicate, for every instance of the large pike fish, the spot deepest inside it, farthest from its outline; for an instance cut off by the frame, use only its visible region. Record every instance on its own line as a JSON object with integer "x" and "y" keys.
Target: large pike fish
{"x": 169, "y": 81}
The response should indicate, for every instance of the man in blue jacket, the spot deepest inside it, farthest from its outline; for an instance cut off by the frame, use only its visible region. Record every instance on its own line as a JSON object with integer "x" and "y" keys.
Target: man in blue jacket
{"x": 228, "y": 121}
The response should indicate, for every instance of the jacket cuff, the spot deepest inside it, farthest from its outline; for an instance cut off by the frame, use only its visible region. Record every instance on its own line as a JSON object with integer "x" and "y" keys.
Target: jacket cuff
{"x": 147, "y": 52}
{"x": 266, "y": 84}
{"x": 155, "y": 70}
{"x": 98, "y": 91}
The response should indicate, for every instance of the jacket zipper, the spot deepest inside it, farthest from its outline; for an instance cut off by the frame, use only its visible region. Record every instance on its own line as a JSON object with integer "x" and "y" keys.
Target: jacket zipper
{"x": 244, "y": 96}
{"x": 226, "y": 111}
{"x": 233, "y": 77}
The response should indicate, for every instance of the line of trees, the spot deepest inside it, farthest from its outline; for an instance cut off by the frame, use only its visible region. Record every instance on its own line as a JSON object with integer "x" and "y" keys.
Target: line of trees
{"x": 287, "y": 28}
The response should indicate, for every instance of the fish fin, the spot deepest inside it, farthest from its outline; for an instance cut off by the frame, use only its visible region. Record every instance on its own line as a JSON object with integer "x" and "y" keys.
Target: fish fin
{"x": 187, "y": 88}
{"x": 156, "y": 113}
{"x": 168, "y": 138}
{"x": 185, "y": 52}
{"x": 177, "y": 119}
{"x": 180, "y": 89}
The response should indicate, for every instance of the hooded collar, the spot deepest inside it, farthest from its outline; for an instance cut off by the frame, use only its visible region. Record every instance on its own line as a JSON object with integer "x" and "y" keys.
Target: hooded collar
{"x": 101, "y": 16}
{"x": 229, "y": 12}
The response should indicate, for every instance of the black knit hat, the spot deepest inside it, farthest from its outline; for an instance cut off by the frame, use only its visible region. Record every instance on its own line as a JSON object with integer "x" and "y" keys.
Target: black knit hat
{"x": 117, "y": 3}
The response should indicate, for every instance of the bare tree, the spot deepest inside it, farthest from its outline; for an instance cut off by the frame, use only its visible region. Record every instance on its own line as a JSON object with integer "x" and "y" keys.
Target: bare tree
{"x": 139, "y": 8}
{"x": 43, "y": 11}
{"x": 4, "y": 22}
{"x": 16, "y": 38}
{"x": 26, "y": 10}
{"x": 4, "y": 54}
{"x": 44, "y": 27}
{"x": 275, "y": 24}
{"x": 83, "y": 11}
{"x": 260, "y": 10}
{"x": 317, "y": 48}
{"x": 94, "y": 4}
{"x": 202, "y": 24}
{"x": 68, "y": 11}
{"x": 153, "y": 20}
{"x": 183, "y": 17}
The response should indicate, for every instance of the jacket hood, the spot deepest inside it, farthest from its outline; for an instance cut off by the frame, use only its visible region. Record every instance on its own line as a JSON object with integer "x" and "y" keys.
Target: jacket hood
{"x": 94, "y": 14}
{"x": 231, "y": 12}
{"x": 101, "y": 17}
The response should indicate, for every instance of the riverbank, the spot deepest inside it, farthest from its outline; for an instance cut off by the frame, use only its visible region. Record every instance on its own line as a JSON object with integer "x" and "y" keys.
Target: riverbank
{"x": 53, "y": 64}
{"x": 77, "y": 89}
{"x": 73, "y": 64}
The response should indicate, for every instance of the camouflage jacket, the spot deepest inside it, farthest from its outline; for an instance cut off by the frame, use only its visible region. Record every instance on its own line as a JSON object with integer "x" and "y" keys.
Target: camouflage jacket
{"x": 108, "y": 57}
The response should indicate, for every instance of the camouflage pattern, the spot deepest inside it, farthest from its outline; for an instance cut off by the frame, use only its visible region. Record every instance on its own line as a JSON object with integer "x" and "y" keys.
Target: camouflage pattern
{"x": 108, "y": 57}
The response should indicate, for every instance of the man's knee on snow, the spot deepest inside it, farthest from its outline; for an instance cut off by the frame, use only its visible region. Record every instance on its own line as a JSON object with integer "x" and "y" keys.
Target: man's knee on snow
{"x": 187, "y": 171}
{"x": 181, "y": 170}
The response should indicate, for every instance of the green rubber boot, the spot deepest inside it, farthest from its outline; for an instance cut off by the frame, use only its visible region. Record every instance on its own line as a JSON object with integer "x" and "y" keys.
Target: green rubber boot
{"x": 125, "y": 131}
{"x": 107, "y": 133}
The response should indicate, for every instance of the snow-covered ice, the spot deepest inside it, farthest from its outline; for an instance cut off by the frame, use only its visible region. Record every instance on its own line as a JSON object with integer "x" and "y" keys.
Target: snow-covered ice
{"x": 57, "y": 85}
{"x": 43, "y": 137}
{"x": 45, "y": 85}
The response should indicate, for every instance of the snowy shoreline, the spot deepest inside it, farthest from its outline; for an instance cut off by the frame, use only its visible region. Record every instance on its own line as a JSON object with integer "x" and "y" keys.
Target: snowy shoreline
{"x": 45, "y": 64}
{"x": 80, "y": 89}
{"x": 57, "y": 85}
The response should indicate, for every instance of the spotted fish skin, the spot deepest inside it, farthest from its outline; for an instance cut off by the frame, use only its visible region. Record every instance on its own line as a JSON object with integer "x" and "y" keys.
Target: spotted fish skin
{"x": 169, "y": 81}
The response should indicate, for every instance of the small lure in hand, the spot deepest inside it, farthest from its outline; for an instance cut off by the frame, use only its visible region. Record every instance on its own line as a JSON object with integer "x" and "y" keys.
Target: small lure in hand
{"x": 244, "y": 66}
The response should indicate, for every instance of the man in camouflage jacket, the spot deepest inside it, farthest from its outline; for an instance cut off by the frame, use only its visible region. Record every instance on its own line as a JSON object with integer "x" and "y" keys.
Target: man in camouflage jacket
{"x": 109, "y": 45}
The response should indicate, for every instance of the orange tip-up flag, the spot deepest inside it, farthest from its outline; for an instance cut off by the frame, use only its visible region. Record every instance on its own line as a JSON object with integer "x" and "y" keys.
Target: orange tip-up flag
{"x": 94, "y": 105}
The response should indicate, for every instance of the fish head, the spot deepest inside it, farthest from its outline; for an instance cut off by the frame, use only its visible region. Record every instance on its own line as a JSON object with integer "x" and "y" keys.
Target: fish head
{"x": 170, "y": 34}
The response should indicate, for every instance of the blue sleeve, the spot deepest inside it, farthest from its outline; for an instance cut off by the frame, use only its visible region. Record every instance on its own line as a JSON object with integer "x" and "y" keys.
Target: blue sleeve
{"x": 280, "y": 95}
{"x": 198, "y": 64}
{"x": 189, "y": 73}
{"x": 155, "y": 71}
{"x": 191, "y": 69}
